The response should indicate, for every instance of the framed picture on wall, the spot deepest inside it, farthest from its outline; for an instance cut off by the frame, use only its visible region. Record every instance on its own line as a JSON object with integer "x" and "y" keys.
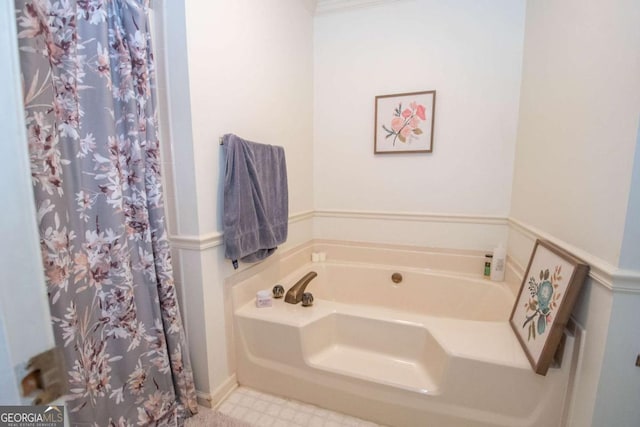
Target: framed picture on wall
{"x": 404, "y": 123}
{"x": 549, "y": 290}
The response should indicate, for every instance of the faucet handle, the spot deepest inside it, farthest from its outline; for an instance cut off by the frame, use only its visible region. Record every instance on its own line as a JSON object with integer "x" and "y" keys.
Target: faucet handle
{"x": 307, "y": 299}
{"x": 278, "y": 291}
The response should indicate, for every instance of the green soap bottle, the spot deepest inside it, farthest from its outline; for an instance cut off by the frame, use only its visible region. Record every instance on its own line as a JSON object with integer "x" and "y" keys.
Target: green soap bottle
{"x": 487, "y": 264}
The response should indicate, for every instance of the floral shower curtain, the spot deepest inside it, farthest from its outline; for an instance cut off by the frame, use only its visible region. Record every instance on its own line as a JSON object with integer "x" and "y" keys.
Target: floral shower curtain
{"x": 87, "y": 71}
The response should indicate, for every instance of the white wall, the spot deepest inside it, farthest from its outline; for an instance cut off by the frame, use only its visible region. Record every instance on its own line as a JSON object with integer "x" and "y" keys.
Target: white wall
{"x": 242, "y": 67}
{"x": 630, "y": 252}
{"x": 249, "y": 71}
{"x": 25, "y": 322}
{"x": 619, "y": 386}
{"x": 578, "y": 121}
{"x": 470, "y": 52}
{"x": 580, "y": 105}
{"x": 579, "y": 111}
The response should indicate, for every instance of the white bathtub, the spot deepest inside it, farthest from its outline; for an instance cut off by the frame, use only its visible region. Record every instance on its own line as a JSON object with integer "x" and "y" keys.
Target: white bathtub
{"x": 434, "y": 350}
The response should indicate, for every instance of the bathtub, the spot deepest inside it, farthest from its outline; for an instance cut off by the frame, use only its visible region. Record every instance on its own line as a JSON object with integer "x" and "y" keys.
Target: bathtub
{"x": 435, "y": 349}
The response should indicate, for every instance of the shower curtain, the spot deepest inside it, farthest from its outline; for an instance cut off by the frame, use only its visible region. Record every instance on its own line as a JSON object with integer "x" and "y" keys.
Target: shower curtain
{"x": 88, "y": 85}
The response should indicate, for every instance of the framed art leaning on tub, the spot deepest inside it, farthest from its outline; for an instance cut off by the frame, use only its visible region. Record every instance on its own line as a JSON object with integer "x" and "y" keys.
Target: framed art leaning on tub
{"x": 549, "y": 290}
{"x": 404, "y": 123}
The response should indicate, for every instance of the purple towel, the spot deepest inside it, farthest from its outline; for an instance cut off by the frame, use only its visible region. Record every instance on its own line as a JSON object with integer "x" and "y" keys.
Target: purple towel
{"x": 256, "y": 200}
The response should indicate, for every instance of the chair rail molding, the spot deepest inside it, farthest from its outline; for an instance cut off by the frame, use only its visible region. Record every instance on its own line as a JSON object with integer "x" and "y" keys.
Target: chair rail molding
{"x": 601, "y": 271}
{"x": 413, "y": 216}
{"x": 215, "y": 238}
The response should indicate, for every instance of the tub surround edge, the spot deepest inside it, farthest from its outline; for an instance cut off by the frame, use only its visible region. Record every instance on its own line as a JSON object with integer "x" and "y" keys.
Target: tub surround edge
{"x": 281, "y": 265}
{"x": 268, "y": 366}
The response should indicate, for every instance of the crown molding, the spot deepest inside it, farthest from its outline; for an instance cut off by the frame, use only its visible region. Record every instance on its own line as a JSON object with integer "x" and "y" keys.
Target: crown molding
{"x": 328, "y": 6}
{"x": 310, "y": 5}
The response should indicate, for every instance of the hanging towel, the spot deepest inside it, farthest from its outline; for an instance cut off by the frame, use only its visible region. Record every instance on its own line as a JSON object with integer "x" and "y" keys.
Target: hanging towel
{"x": 256, "y": 200}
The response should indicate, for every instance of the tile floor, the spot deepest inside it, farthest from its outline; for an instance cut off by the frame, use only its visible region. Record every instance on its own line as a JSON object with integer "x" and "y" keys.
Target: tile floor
{"x": 265, "y": 410}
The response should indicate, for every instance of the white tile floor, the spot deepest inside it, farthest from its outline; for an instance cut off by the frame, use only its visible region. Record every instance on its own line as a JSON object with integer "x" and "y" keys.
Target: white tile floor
{"x": 265, "y": 410}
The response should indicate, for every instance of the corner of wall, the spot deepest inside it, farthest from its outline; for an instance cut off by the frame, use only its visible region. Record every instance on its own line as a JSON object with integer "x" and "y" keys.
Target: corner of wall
{"x": 630, "y": 250}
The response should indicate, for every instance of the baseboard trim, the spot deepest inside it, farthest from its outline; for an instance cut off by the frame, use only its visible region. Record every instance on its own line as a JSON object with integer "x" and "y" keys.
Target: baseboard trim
{"x": 224, "y": 390}
{"x": 213, "y": 400}
{"x": 203, "y": 398}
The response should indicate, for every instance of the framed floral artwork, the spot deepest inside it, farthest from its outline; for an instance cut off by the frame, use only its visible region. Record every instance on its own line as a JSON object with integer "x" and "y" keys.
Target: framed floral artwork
{"x": 548, "y": 293}
{"x": 404, "y": 123}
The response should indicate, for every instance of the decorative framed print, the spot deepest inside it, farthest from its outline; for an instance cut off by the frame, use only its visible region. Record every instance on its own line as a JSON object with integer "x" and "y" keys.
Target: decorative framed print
{"x": 404, "y": 123}
{"x": 548, "y": 293}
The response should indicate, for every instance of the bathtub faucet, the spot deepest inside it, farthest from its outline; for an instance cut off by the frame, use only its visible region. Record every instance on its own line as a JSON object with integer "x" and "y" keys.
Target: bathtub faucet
{"x": 294, "y": 295}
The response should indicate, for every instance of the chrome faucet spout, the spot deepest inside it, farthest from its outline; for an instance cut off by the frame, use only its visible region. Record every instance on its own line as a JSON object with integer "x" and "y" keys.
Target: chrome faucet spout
{"x": 294, "y": 295}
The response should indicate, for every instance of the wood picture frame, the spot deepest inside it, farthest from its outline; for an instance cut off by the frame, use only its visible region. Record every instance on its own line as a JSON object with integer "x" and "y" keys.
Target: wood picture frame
{"x": 550, "y": 287}
{"x": 404, "y": 123}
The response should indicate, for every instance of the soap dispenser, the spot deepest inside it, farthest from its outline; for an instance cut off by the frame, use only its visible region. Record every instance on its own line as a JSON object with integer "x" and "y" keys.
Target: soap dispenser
{"x": 498, "y": 263}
